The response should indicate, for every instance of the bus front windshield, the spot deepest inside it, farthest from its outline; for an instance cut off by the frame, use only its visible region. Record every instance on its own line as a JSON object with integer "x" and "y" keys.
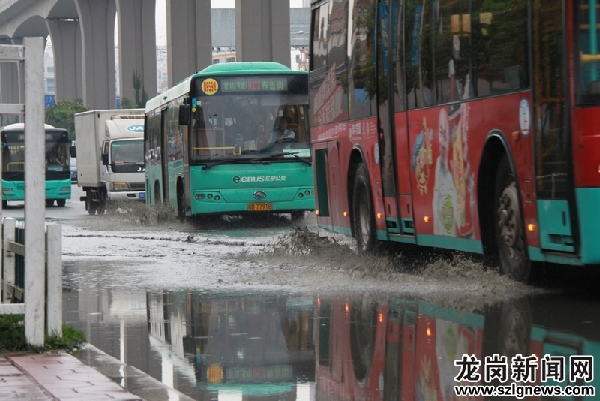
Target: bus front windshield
{"x": 258, "y": 125}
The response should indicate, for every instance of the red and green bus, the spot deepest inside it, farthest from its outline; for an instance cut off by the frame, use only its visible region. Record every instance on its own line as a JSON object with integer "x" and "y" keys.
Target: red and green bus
{"x": 470, "y": 125}
{"x": 212, "y": 144}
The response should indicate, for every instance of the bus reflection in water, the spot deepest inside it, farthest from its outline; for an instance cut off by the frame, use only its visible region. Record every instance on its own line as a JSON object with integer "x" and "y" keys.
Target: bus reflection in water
{"x": 337, "y": 348}
{"x": 255, "y": 346}
{"x": 405, "y": 350}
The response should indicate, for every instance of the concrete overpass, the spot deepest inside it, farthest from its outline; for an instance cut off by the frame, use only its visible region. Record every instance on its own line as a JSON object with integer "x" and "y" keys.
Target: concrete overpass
{"x": 82, "y": 34}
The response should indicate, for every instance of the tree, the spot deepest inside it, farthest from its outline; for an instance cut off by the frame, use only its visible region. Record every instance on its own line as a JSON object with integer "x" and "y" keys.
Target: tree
{"x": 60, "y": 114}
{"x": 127, "y": 103}
{"x": 140, "y": 101}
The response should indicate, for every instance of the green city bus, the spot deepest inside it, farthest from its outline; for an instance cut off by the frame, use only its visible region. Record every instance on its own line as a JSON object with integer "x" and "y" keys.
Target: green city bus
{"x": 58, "y": 176}
{"x": 212, "y": 144}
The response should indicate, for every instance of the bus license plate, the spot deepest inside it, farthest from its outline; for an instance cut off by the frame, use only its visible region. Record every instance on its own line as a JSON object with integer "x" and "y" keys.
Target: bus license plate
{"x": 142, "y": 195}
{"x": 260, "y": 207}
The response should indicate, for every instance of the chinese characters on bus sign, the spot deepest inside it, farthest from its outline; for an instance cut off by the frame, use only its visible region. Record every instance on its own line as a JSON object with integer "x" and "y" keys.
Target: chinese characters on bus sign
{"x": 210, "y": 86}
{"x": 253, "y": 84}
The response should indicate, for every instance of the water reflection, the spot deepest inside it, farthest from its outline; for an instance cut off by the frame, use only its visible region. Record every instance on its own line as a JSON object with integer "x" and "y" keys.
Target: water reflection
{"x": 232, "y": 346}
{"x": 401, "y": 349}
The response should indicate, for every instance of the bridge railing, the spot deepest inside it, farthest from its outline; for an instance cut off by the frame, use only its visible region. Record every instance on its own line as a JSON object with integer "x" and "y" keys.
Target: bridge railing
{"x": 14, "y": 291}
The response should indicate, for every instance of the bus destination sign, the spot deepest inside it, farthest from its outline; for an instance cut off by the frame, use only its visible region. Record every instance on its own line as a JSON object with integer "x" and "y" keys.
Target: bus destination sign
{"x": 253, "y": 84}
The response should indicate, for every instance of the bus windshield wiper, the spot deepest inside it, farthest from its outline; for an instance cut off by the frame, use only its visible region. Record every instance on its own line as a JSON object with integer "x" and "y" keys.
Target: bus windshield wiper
{"x": 306, "y": 160}
{"x": 209, "y": 165}
{"x": 259, "y": 159}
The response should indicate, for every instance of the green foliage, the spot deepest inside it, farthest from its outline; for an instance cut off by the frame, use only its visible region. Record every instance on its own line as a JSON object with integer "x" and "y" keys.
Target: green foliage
{"x": 61, "y": 114}
{"x": 141, "y": 96}
{"x": 12, "y": 333}
{"x": 12, "y": 336}
{"x": 127, "y": 103}
{"x": 71, "y": 339}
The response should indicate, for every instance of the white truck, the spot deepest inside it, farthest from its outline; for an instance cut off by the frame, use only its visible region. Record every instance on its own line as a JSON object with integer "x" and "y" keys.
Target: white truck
{"x": 110, "y": 157}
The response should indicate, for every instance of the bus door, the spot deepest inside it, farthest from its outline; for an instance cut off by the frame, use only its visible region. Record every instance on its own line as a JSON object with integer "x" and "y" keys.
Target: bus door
{"x": 164, "y": 160}
{"x": 552, "y": 137}
{"x": 392, "y": 119}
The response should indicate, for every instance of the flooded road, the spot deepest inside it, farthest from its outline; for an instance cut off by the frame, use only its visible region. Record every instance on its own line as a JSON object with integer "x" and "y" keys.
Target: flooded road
{"x": 267, "y": 309}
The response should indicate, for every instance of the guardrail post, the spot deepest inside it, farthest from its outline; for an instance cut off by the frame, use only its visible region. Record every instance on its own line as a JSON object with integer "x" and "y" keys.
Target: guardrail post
{"x": 9, "y": 259}
{"x": 54, "y": 280}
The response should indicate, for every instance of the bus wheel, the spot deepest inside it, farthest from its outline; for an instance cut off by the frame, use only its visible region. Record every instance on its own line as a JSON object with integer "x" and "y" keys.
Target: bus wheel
{"x": 49, "y": 202}
{"x": 362, "y": 216}
{"x": 157, "y": 197}
{"x": 180, "y": 204}
{"x": 61, "y": 202}
{"x": 297, "y": 215}
{"x": 510, "y": 234}
{"x": 4, "y": 204}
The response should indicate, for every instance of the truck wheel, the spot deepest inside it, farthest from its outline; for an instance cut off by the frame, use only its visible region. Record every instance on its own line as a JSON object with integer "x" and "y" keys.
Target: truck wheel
{"x": 61, "y": 202}
{"x": 49, "y": 202}
{"x": 362, "y": 216}
{"x": 89, "y": 205}
{"x": 510, "y": 232}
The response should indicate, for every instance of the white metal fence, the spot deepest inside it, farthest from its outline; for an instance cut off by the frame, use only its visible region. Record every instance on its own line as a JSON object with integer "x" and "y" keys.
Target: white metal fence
{"x": 42, "y": 305}
{"x": 14, "y": 287}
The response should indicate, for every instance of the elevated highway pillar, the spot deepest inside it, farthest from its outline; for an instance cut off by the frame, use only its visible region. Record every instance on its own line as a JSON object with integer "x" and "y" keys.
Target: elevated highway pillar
{"x": 68, "y": 66}
{"x": 137, "y": 47}
{"x": 97, "y": 20}
{"x": 262, "y": 31}
{"x": 11, "y": 91}
{"x": 189, "y": 43}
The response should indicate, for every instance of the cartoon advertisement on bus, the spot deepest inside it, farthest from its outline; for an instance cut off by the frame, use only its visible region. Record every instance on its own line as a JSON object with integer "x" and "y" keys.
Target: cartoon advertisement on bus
{"x": 442, "y": 171}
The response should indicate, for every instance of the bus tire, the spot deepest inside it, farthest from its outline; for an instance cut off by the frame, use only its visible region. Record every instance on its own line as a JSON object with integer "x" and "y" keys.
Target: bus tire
{"x": 362, "y": 216}
{"x": 61, "y": 202}
{"x": 4, "y": 204}
{"x": 157, "y": 197}
{"x": 49, "y": 202}
{"x": 510, "y": 232}
{"x": 180, "y": 202}
{"x": 297, "y": 215}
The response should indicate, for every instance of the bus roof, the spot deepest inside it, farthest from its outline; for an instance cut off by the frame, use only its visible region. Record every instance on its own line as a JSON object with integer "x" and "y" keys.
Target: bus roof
{"x": 247, "y": 68}
{"x": 178, "y": 90}
{"x": 222, "y": 69}
{"x": 21, "y": 127}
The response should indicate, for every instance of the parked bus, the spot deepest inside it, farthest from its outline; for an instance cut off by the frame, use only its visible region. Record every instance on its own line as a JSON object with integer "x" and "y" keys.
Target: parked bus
{"x": 212, "y": 145}
{"x": 467, "y": 125}
{"x": 58, "y": 179}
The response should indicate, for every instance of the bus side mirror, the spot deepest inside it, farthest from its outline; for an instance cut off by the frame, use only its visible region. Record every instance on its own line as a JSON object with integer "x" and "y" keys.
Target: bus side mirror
{"x": 184, "y": 114}
{"x": 72, "y": 151}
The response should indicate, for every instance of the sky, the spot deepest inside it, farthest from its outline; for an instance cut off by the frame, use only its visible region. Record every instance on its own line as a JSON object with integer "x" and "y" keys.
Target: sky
{"x": 161, "y": 30}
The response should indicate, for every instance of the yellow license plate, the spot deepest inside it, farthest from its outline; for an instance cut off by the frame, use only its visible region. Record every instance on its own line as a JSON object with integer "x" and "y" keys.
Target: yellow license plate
{"x": 260, "y": 207}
